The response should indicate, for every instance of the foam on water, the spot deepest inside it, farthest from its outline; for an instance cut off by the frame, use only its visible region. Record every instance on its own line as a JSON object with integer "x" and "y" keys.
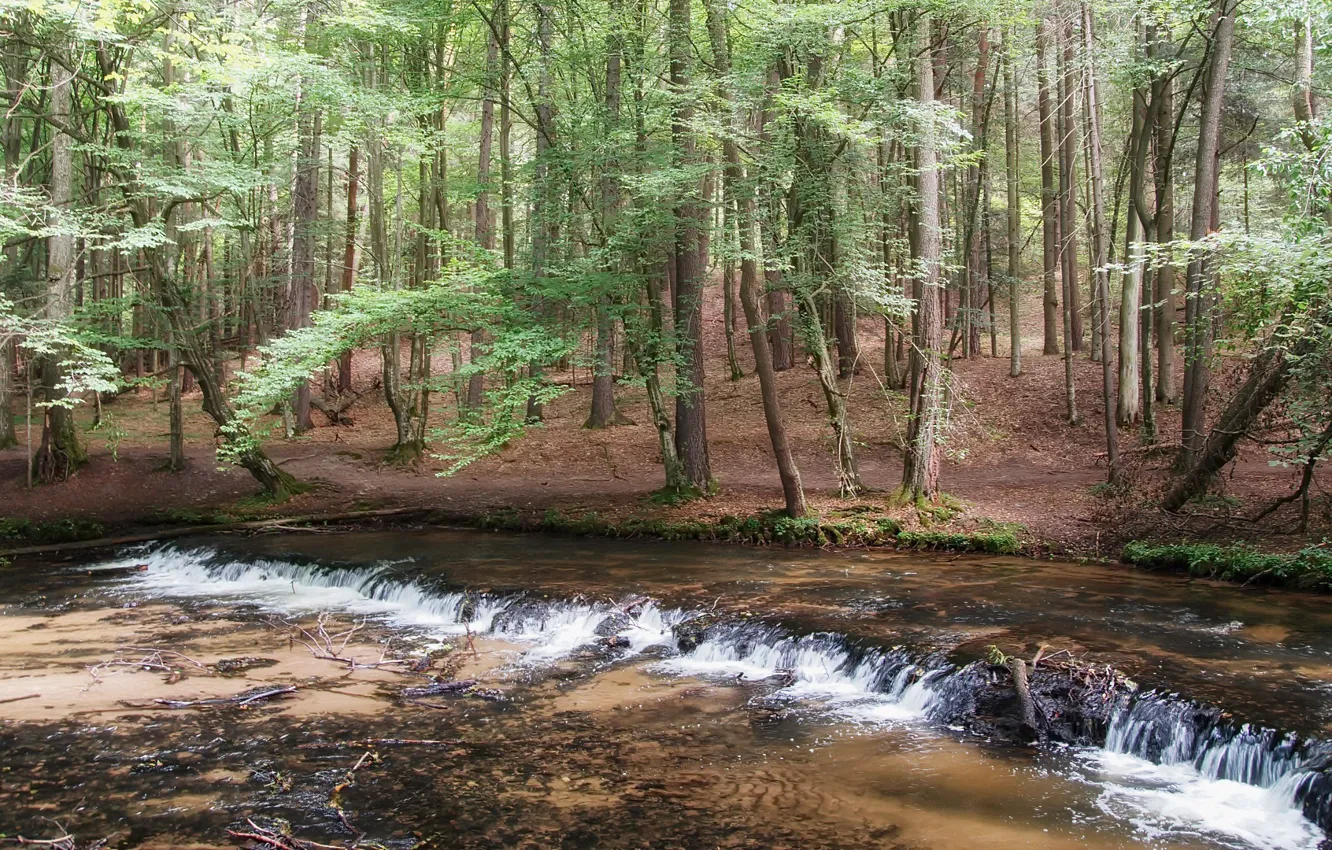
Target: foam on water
{"x": 1171, "y": 800}
{"x": 1168, "y": 767}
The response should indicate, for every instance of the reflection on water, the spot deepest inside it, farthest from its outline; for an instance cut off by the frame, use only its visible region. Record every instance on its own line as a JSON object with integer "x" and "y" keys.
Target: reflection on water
{"x": 805, "y": 716}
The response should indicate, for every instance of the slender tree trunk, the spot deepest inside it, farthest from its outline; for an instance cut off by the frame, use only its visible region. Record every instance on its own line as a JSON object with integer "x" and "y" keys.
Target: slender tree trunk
{"x": 1268, "y": 376}
{"x": 1165, "y": 298}
{"x": 305, "y": 212}
{"x": 505, "y": 136}
{"x": 545, "y": 210}
{"x": 349, "y": 255}
{"x": 1049, "y": 192}
{"x": 746, "y": 217}
{"x": 691, "y": 436}
{"x": 485, "y": 233}
{"x": 1199, "y": 297}
{"x": 8, "y": 438}
{"x": 1014, "y": 208}
{"x": 1068, "y": 251}
{"x": 604, "y": 412}
{"x": 1068, "y": 184}
{"x": 920, "y": 472}
{"x": 60, "y": 452}
{"x": 1100, "y": 238}
{"x": 1131, "y": 318}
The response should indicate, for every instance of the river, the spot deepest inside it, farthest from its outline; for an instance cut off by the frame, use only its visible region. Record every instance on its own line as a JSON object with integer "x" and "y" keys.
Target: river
{"x": 810, "y": 712}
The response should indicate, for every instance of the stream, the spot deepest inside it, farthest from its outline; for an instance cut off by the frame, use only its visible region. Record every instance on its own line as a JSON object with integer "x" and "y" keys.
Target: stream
{"x": 646, "y": 694}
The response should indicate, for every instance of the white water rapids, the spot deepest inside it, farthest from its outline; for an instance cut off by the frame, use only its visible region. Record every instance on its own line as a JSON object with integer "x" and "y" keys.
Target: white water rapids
{"x": 1157, "y": 771}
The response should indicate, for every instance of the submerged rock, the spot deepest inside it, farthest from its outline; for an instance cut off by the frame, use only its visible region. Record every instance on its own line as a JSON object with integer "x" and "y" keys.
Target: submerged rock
{"x": 1073, "y": 703}
{"x": 692, "y": 632}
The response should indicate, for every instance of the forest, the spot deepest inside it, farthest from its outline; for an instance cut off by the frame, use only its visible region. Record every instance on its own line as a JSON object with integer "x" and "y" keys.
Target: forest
{"x": 381, "y": 379}
{"x": 248, "y": 226}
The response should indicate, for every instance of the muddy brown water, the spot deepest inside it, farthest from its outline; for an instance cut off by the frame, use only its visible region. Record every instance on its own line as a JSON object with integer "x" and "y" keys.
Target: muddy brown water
{"x": 590, "y": 748}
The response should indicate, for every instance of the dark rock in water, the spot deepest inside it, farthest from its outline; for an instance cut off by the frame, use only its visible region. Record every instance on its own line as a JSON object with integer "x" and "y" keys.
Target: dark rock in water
{"x": 1313, "y": 791}
{"x": 615, "y": 622}
{"x": 237, "y": 666}
{"x": 616, "y": 642}
{"x": 520, "y": 615}
{"x": 692, "y": 632}
{"x": 1073, "y": 703}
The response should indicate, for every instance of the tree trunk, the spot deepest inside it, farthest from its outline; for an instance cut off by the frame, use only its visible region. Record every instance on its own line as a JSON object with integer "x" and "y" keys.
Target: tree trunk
{"x": 242, "y": 448}
{"x": 484, "y": 232}
{"x": 349, "y": 256}
{"x": 1068, "y": 184}
{"x": 691, "y": 436}
{"x": 1068, "y": 252}
{"x": 8, "y": 438}
{"x": 305, "y": 214}
{"x": 1199, "y": 298}
{"x": 60, "y": 451}
{"x": 1267, "y": 377}
{"x": 920, "y": 472}
{"x": 1014, "y": 208}
{"x": 1100, "y": 246}
{"x": 746, "y": 219}
{"x": 604, "y": 413}
{"x": 545, "y": 208}
{"x": 1165, "y": 298}
{"x": 1049, "y": 194}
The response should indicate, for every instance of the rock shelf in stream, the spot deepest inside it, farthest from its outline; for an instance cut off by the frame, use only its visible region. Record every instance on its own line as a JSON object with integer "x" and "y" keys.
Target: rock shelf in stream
{"x": 1075, "y": 703}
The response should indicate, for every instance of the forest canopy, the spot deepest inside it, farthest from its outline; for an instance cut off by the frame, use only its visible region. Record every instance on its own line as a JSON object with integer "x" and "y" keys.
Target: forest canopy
{"x": 239, "y": 196}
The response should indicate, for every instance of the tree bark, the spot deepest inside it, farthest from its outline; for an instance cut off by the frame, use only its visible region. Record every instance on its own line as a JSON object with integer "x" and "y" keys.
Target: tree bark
{"x": 920, "y": 472}
{"x": 1164, "y": 277}
{"x": 604, "y": 413}
{"x": 1068, "y": 184}
{"x": 746, "y": 218}
{"x": 60, "y": 451}
{"x": 1267, "y": 377}
{"x": 349, "y": 256}
{"x": 305, "y": 214}
{"x": 1049, "y": 193}
{"x": 1100, "y": 246}
{"x": 484, "y": 232}
{"x": 691, "y": 436}
{"x": 1014, "y": 207}
{"x": 1198, "y": 304}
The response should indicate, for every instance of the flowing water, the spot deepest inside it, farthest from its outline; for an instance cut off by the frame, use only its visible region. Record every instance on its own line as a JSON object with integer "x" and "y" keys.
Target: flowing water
{"x": 816, "y": 709}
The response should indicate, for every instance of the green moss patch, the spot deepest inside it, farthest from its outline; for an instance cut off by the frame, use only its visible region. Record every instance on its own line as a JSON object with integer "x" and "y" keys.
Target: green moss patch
{"x": 40, "y": 533}
{"x": 1309, "y": 568}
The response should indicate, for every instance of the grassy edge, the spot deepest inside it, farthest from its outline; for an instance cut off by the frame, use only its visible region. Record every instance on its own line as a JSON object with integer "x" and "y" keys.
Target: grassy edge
{"x": 769, "y": 528}
{"x": 1307, "y": 569}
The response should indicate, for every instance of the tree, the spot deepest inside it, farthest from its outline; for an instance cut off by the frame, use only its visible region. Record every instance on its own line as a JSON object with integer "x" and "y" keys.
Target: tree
{"x": 1199, "y": 297}
{"x": 920, "y": 473}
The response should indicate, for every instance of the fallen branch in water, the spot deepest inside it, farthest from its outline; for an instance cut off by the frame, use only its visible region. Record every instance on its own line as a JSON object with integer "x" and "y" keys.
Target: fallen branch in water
{"x": 385, "y": 742}
{"x": 348, "y": 780}
{"x": 239, "y": 700}
{"x": 271, "y": 838}
{"x": 330, "y": 647}
{"x": 64, "y": 841}
{"x": 19, "y": 699}
{"x": 153, "y": 659}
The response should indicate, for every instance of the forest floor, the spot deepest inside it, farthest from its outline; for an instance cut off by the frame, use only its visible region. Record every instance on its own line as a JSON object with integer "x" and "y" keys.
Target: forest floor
{"x": 1012, "y": 457}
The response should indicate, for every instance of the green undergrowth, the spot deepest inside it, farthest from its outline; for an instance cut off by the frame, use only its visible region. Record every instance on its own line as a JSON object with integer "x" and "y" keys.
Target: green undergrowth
{"x": 245, "y": 509}
{"x": 1309, "y": 568}
{"x": 28, "y": 532}
{"x": 769, "y": 528}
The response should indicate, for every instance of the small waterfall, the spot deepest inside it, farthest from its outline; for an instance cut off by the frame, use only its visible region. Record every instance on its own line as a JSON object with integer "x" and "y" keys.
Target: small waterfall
{"x": 1168, "y": 731}
{"x": 1165, "y": 764}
